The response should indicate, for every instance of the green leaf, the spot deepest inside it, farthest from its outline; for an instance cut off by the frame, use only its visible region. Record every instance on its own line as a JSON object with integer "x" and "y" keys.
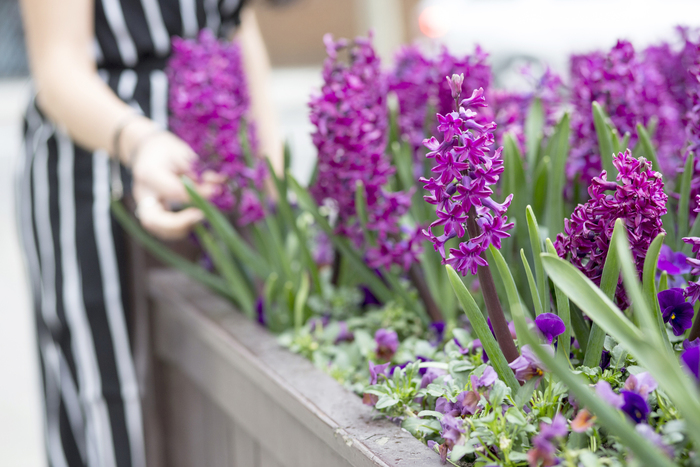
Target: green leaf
{"x": 228, "y": 234}
{"x": 608, "y": 285}
{"x": 630, "y": 277}
{"x": 300, "y": 302}
{"x": 558, "y": 151}
{"x": 661, "y": 363}
{"x": 610, "y": 418}
{"x": 385, "y": 402}
{"x": 541, "y": 179}
{"x": 663, "y": 281}
{"x": 515, "y": 304}
{"x": 536, "y": 247}
{"x": 563, "y": 310}
{"x": 364, "y": 274}
{"x": 649, "y": 151}
{"x": 534, "y": 123}
{"x": 602, "y": 128}
{"x": 167, "y": 256}
{"x": 649, "y": 284}
{"x": 227, "y": 267}
{"x": 482, "y": 331}
{"x": 513, "y": 161}
{"x": 531, "y": 282}
{"x": 286, "y": 211}
{"x": 525, "y": 392}
{"x": 686, "y": 180}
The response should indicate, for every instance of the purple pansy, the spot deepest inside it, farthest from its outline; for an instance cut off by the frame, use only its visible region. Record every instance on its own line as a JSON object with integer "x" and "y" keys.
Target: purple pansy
{"x": 486, "y": 380}
{"x": 648, "y": 432}
{"x": 452, "y": 431}
{"x": 691, "y": 361}
{"x": 527, "y": 365}
{"x": 642, "y": 384}
{"x": 375, "y": 371}
{"x": 673, "y": 262}
{"x": 550, "y": 325}
{"x": 635, "y": 406}
{"x": 676, "y": 310}
{"x": 605, "y": 392}
{"x": 387, "y": 343}
{"x": 542, "y": 452}
{"x": 344, "y": 333}
{"x": 430, "y": 375}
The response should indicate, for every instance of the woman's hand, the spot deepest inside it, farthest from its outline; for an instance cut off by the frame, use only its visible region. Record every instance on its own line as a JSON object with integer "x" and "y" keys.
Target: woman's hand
{"x": 159, "y": 162}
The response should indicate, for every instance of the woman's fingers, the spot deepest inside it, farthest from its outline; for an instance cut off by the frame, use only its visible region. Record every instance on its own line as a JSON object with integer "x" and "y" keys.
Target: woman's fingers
{"x": 165, "y": 224}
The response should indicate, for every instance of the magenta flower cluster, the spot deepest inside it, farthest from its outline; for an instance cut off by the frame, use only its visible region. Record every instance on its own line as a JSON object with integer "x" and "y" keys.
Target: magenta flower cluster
{"x": 465, "y": 167}
{"x": 638, "y": 199}
{"x": 631, "y": 91}
{"x": 419, "y": 84}
{"x": 209, "y": 101}
{"x": 351, "y": 119}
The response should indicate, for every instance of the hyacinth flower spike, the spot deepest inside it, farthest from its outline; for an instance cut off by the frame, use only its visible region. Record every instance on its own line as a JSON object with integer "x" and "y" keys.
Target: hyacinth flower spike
{"x": 466, "y": 166}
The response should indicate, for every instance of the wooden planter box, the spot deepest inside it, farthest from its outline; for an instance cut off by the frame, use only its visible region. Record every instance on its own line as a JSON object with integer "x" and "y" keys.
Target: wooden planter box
{"x": 228, "y": 394}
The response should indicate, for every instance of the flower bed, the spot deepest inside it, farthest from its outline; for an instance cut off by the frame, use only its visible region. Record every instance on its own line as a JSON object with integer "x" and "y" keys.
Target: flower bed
{"x": 421, "y": 278}
{"x": 230, "y": 395}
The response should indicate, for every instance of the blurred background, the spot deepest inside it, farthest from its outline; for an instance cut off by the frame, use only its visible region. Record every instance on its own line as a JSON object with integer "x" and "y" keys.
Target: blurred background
{"x": 515, "y": 32}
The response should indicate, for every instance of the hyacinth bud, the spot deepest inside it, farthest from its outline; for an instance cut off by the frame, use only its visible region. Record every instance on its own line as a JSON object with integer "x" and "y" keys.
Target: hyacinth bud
{"x": 456, "y": 85}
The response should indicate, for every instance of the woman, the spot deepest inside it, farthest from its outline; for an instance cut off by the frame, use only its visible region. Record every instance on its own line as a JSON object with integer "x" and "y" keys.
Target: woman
{"x": 96, "y": 128}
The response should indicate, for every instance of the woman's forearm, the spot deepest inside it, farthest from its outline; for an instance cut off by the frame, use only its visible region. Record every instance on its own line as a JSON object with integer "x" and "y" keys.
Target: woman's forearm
{"x": 257, "y": 68}
{"x": 59, "y": 38}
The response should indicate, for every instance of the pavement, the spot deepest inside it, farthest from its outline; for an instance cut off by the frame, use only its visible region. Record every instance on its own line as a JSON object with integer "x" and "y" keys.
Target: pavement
{"x": 21, "y": 429}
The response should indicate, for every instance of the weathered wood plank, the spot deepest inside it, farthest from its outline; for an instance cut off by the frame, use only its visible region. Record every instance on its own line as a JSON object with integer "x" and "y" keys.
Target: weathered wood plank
{"x": 216, "y": 435}
{"x": 244, "y": 450}
{"x": 280, "y": 398}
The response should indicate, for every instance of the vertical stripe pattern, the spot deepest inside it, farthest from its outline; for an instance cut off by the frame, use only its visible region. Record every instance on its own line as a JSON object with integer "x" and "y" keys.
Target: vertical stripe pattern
{"x": 73, "y": 247}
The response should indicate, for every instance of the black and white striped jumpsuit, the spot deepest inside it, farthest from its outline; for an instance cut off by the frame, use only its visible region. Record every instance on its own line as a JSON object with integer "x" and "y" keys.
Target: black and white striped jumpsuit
{"x": 75, "y": 249}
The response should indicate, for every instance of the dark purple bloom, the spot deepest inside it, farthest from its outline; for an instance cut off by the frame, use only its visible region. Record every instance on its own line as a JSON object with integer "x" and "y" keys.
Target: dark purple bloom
{"x": 638, "y": 199}
{"x": 387, "y": 343}
{"x": 631, "y": 91}
{"x": 635, "y": 406}
{"x": 692, "y": 292}
{"x": 208, "y": 101}
{"x": 605, "y": 360}
{"x": 550, "y": 325}
{"x": 438, "y": 329}
{"x": 676, "y": 310}
{"x": 691, "y": 361}
{"x": 260, "y": 310}
{"x": 527, "y": 365}
{"x": 375, "y": 371}
{"x": 673, "y": 262}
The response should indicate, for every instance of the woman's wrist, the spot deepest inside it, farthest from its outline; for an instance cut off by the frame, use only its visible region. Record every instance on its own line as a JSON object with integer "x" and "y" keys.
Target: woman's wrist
{"x": 138, "y": 129}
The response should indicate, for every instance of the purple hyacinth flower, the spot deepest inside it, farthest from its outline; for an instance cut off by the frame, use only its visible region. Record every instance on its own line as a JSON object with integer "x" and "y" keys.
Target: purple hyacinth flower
{"x": 692, "y": 292}
{"x": 673, "y": 263}
{"x": 550, "y": 325}
{"x": 456, "y": 85}
{"x": 486, "y": 380}
{"x": 635, "y": 406}
{"x": 387, "y": 343}
{"x": 691, "y": 361}
{"x": 676, "y": 310}
{"x": 527, "y": 365}
{"x": 375, "y": 371}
